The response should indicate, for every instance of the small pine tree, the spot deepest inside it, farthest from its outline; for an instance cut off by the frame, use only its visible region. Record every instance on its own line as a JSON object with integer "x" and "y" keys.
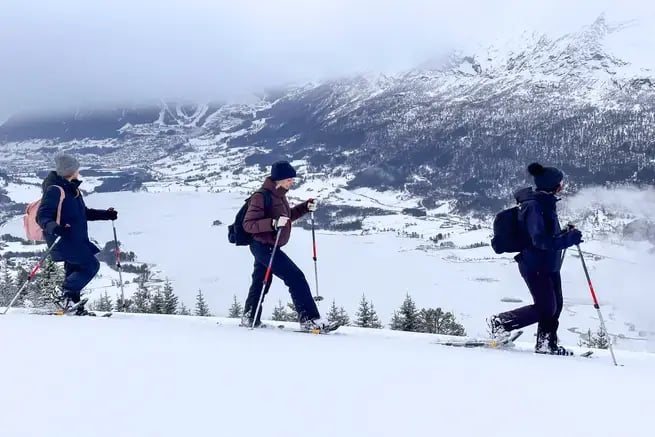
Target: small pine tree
{"x": 436, "y": 321}
{"x": 366, "y": 317}
{"x": 157, "y": 303}
{"x": 104, "y": 303}
{"x": 169, "y": 299}
{"x": 183, "y": 311}
{"x": 407, "y": 317}
{"x": 597, "y": 340}
{"x": 338, "y": 314}
{"x": 48, "y": 279}
{"x": 602, "y": 339}
{"x": 236, "y": 310}
{"x": 292, "y": 315}
{"x": 141, "y": 299}
{"x": 201, "y": 306}
{"x": 343, "y": 317}
{"x": 127, "y": 307}
{"x": 396, "y": 322}
{"x": 7, "y": 287}
{"x": 280, "y": 313}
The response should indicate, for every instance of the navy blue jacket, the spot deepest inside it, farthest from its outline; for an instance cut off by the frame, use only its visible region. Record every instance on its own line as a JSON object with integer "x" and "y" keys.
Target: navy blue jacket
{"x": 538, "y": 220}
{"x": 76, "y": 247}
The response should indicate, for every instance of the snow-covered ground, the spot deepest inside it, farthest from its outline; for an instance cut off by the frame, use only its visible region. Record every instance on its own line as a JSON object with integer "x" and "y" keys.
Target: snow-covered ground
{"x": 145, "y": 375}
{"x": 173, "y": 231}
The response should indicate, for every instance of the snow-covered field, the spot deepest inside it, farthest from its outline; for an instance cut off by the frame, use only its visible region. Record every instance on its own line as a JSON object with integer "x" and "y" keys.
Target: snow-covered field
{"x": 146, "y": 375}
{"x": 173, "y": 230}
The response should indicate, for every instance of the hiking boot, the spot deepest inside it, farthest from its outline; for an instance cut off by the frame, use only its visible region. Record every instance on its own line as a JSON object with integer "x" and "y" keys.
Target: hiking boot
{"x": 496, "y": 330}
{"x": 71, "y": 307}
{"x": 547, "y": 344}
{"x": 81, "y": 311}
{"x": 246, "y": 321}
{"x": 319, "y": 325}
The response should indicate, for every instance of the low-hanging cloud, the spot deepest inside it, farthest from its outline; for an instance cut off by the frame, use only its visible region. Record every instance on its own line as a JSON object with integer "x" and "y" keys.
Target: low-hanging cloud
{"x": 76, "y": 52}
{"x": 638, "y": 202}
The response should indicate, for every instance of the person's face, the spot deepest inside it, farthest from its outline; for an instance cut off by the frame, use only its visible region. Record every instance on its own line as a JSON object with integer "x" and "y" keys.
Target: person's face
{"x": 74, "y": 176}
{"x": 286, "y": 183}
{"x": 560, "y": 187}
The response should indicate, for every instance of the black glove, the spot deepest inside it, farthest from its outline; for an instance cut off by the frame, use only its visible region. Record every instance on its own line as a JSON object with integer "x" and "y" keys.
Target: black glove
{"x": 62, "y": 231}
{"x": 112, "y": 214}
{"x": 573, "y": 237}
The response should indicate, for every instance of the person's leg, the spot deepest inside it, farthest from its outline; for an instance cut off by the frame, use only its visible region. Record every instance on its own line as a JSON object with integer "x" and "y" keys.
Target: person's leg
{"x": 284, "y": 268}
{"x": 543, "y": 308}
{"x": 78, "y": 275}
{"x": 553, "y": 324}
{"x": 258, "y": 273}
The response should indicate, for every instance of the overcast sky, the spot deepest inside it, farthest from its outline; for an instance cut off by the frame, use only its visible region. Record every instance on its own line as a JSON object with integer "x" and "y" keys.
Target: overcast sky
{"x": 72, "y": 52}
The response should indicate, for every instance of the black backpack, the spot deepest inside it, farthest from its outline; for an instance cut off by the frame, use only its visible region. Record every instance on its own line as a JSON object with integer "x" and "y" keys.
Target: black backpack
{"x": 508, "y": 236}
{"x": 235, "y": 232}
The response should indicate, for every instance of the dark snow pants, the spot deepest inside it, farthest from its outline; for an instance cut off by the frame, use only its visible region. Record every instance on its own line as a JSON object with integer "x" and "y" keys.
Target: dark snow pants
{"x": 78, "y": 275}
{"x": 286, "y": 270}
{"x": 546, "y": 291}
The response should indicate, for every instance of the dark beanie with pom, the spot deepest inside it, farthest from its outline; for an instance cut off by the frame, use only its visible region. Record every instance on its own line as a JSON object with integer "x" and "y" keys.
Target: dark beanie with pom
{"x": 282, "y": 170}
{"x": 545, "y": 178}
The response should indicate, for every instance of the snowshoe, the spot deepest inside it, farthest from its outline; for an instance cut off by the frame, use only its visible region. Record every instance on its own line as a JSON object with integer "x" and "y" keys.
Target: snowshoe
{"x": 319, "y": 326}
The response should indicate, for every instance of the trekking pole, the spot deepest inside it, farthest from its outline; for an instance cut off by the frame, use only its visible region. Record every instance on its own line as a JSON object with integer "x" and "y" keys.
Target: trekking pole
{"x": 593, "y": 296}
{"x": 318, "y": 297}
{"x": 32, "y": 274}
{"x": 266, "y": 276}
{"x": 117, "y": 251}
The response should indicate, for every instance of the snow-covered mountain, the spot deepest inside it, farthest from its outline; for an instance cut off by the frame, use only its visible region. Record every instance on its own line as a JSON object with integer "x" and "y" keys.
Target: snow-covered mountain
{"x": 464, "y": 129}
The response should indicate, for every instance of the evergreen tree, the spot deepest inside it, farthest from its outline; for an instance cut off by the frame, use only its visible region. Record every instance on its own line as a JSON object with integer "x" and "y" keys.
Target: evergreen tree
{"x": 201, "y": 306}
{"x": 436, "y": 321}
{"x": 407, "y": 317}
{"x": 104, "y": 303}
{"x": 7, "y": 287}
{"x": 396, "y": 322}
{"x": 602, "y": 339}
{"x": 598, "y": 340}
{"x": 366, "y": 317}
{"x": 338, "y": 314}
{"x": 141, "y": 299}
{"x": 279, "y": 313}
{"x": 170, "y": 300}
{"x": 236, "y": 310}
{"x": 44, "y": 284}
{"x": 157, "y": 303}
{"x": 184, "y": 311}
{"x": 123, "y": 308}
{"x": 292, "y": 315}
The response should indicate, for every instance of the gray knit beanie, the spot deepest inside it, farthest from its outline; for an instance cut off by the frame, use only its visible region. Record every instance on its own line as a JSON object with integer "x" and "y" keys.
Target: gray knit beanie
{"x": 66, "y": 165}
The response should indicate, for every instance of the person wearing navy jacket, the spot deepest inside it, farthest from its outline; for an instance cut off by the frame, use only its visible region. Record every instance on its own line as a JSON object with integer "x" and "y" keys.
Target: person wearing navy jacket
{"x": 540, "y": 261}
{"x": 74, "y": 249}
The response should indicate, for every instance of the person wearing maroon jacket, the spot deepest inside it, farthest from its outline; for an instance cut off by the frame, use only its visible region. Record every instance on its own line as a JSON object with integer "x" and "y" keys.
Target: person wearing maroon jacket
{"x": 263, "y": 219}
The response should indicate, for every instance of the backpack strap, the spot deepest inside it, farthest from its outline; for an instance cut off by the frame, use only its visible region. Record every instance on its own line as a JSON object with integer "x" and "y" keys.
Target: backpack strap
{"x": 62, "y": 195}
{"x": 267, "y": 197}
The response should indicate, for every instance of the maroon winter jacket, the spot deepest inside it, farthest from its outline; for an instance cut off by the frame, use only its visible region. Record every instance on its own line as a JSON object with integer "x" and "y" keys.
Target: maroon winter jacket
{"x": 259, "y": 221}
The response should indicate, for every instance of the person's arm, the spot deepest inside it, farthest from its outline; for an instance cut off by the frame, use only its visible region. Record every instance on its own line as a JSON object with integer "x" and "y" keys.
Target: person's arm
{"x": 255, "y": 221}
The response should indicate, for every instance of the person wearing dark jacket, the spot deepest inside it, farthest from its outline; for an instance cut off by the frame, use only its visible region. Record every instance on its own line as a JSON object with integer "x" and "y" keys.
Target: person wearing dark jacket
{"x": 540, "y": 261}
{"x": 263, "y": 223}
{"x": 74, "y": 248}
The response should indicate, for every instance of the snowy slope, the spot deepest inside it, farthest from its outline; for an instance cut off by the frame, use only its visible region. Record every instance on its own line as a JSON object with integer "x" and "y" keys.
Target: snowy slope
{"x": 173, "y": 232}
{"x": 165, "y": 376}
